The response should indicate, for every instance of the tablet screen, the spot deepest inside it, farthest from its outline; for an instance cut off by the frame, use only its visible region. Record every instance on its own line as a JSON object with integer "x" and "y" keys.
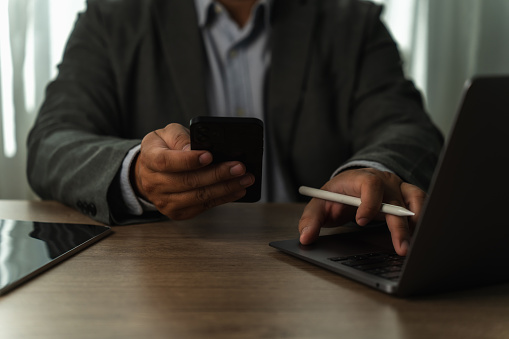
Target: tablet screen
{"x": 27, "y": 248}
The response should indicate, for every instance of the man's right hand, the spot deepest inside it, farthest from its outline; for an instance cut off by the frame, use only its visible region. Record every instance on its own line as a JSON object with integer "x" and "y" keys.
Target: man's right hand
{"x": 181, "y": 182}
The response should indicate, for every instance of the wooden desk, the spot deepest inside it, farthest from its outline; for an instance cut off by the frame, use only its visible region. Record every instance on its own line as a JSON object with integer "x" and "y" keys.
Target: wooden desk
{"x": 216, "y": 277}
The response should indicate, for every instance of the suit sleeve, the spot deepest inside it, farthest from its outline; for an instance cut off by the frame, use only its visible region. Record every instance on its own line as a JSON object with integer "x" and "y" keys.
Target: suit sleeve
{"x": 78, "y": 142}
{"x": 388, "y": 124}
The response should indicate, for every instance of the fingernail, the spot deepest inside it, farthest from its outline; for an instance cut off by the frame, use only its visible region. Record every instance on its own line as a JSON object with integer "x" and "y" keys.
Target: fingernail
{"x": 362, "y": 221}
{"x": 205, "y": 158}
{"x": 186, "y": 147}
{"x": 237, "y": 170}
{"x": 404, "y": 246}
{"x": 304, "y": 230}
{"x": 246, "y": 181}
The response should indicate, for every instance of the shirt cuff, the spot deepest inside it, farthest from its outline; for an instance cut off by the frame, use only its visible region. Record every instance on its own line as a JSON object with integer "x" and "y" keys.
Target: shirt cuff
{"x": 361, "y": 163}
{"x": 135, "y": 205}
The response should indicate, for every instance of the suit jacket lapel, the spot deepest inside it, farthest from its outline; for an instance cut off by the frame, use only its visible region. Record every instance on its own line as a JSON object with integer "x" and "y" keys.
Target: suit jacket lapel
{"x": 291, "y": 34}
{"x": 183, "y": 46}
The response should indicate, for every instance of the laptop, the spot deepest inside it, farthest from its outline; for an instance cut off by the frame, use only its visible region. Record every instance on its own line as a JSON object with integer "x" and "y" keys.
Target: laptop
{"x": 462, "y": 237}
{"x": 28, "y": 248}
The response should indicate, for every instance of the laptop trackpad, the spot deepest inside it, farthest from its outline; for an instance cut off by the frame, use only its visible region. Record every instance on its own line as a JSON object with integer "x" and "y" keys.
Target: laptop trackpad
{"x": 361, "y": 241}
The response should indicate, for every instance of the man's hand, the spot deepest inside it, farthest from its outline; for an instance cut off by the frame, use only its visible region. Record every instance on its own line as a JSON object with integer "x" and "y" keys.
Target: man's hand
{"x": 180, "y": 182}
{"x": 373, "y": 187}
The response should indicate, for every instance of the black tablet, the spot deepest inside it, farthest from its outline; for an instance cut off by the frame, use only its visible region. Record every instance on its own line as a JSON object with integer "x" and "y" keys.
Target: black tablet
{"x": 28, "y": 248}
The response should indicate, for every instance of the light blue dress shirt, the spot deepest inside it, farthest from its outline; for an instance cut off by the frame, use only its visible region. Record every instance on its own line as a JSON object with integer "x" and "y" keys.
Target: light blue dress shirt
{"x": 238, "y": 58}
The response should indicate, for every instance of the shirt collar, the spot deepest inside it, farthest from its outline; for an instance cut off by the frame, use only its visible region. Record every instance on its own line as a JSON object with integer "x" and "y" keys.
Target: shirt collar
{"x": 206, "y": 12}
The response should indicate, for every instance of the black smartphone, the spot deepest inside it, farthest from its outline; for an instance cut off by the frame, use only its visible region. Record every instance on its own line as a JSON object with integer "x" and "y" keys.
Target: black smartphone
{"x": 232, "y": 138}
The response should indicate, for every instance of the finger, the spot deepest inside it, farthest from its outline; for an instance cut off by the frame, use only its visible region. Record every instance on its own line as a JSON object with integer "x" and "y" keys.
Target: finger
{"x": 313, "y": 217}
{"x": 398, "y": 226}
{"x": 157, "y": 147}
{"x": 191, "y": 211}
{"x": 186, "y": 204}
{"x": 400, "y": 234}
{"x": 372, "y": 193}
{"x": 155, "y": 168}
{"x": 162, "y": 159}
{"x": 175, "y": 182}
{"x": 204, "y": 195}
{"x": 414, "y": 199}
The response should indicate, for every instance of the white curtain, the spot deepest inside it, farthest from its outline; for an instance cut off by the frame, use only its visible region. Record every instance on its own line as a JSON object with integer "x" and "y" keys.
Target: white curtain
{"x": 447, "y": 42}
{"x": 443, "y": 43}
{"x": 32, "y": 37}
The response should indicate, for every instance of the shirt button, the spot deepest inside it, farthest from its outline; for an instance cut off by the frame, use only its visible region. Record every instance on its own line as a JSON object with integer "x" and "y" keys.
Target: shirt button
{"x": 233, "y": 53}
{"x": 240, "y": 112}
{"x": 218, "y": 9}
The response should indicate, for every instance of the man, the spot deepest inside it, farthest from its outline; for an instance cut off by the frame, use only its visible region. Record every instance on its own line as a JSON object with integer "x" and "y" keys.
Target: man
{"x": 324, "y": 75}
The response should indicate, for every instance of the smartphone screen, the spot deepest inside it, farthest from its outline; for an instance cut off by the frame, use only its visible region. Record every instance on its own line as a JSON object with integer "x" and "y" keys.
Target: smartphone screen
{"x": 232, "y": 138}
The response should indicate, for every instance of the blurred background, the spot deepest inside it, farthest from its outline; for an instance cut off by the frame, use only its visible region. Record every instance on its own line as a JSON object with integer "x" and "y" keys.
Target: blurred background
{"x": 443, "y": 44}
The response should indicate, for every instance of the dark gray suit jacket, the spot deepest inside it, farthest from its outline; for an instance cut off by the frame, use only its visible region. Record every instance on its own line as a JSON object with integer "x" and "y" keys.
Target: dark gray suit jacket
{"x": 335, "y": 92}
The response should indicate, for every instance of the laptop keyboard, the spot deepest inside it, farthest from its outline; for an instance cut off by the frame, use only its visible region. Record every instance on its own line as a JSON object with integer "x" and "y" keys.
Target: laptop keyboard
{"x": 387, "y": 265}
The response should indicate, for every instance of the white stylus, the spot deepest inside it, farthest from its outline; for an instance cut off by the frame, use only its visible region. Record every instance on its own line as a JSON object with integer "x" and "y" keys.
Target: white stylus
{"x": 352, "y": 201}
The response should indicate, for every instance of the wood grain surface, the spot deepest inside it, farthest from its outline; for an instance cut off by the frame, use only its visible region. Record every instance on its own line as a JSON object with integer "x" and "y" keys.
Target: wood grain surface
{"x": 216, "y": 277}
